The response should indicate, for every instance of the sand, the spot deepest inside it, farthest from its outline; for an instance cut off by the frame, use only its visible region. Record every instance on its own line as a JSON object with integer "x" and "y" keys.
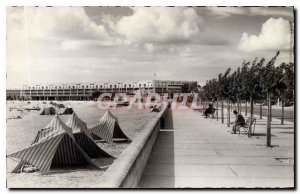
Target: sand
{"x": 21, "y": 132}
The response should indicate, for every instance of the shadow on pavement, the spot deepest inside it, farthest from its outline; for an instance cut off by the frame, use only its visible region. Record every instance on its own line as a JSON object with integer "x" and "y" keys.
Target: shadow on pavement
{"x": 160, "y": 170}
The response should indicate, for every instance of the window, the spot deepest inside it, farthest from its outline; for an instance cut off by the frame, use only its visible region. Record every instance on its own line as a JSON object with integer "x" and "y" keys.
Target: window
{"x": 82, "y": 86}
{"x": 87, "y": 86}
{"x": 96, "y": 86}
{"x": 110, "y": 86}
{"x": 42, "y": 87}
{"x": 144, "y": 85}
{"x": 55, "y": 87}
{"x": 115, "y": 86}
{"x": 140, "y": 85}
{"x": 100, "y": 86}
{"x": 59, "y": 87}
{"x": 125, "y": 85}
{"x": 73, "y": 87}
{"x": 130, "y": 85}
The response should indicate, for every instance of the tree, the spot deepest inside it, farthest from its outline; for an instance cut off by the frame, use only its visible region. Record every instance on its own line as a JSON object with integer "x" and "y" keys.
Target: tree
{"x": 269, "y": 84}
{"x": 253, "y": 81}
{"x": 185, "y": 88}
{"x": 281, "y": 87}
{"x": 192, "y": 87}
{"x": 95, "y": 94}
{"x": 224, "y": 89}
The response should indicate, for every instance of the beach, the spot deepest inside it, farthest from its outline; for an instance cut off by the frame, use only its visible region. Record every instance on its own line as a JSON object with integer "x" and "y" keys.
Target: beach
{"x": 21, "y": 132}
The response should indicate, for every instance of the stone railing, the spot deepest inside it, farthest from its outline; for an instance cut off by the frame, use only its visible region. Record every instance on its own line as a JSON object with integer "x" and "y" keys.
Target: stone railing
{"x": 127, "y": 169}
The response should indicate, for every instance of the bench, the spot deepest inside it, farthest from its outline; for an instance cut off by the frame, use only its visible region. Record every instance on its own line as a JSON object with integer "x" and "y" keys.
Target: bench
{"x": 247, "y": 126}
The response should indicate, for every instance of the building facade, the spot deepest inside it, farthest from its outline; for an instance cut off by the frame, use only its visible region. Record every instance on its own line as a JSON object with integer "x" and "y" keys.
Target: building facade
{"x": 83, "y": 91}
{"x": 13, "y": 94}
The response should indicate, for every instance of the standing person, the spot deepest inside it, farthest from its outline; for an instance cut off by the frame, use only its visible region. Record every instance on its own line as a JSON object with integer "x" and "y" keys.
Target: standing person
{"x": 239, "y": 121}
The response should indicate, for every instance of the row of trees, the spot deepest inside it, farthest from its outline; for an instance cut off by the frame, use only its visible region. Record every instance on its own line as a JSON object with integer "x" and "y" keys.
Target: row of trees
{"x": 255, "y": 82}
{"x": 189, "y": 87}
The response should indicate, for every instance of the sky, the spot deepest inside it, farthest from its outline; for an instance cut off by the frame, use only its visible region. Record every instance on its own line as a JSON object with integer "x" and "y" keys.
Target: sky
{"x": 97, "y": 44}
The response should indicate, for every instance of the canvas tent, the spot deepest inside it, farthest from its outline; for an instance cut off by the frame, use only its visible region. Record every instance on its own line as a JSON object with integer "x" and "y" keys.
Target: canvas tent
{"x": 54, "y": 146}
{"x": 60, "y": 105}
{"x": 48, "y": 111}
{"x": 66, "y": 111}
{"x": 83, "y": 138}
{"x": 108, "y": 129}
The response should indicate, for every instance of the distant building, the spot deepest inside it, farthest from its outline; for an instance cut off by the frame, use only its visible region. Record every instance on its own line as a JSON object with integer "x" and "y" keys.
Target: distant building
{"x": 13, "y": 94}
{"x": 83, "y": 91}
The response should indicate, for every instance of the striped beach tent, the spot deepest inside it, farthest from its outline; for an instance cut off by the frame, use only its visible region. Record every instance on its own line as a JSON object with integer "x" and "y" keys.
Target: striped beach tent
{"x": 66, "y": 111}
{"x": 48, "y": 111}
{"x": 54, "y": 146}
{"x": 108, "y": 129}
{"x": 60, "y": 105}
{"x": 83, "y": 138}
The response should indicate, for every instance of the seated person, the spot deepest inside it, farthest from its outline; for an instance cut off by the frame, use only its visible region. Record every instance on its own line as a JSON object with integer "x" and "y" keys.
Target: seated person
{"x": 239, "y": 121}
{"x": 209, "y": 110}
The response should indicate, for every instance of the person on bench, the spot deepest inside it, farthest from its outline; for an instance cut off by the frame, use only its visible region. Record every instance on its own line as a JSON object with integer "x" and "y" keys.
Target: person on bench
{"x": 209, "y": 110}
{"x": 239, "y": 121}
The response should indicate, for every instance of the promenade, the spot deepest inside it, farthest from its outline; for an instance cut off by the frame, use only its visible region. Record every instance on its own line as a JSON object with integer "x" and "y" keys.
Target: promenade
{"x": 197, "y": 152}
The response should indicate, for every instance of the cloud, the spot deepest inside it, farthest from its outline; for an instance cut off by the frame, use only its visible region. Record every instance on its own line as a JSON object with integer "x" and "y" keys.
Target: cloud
{"x": 15, "y": 32}
{"x": 251, "y": 11}
{"x": 87, "y": 44}
{"x": 68, "y": 25}
{"x": 162, "y": 29}
{"x": 152, "y": 29}
{"x": 160, "y": 25}
{"x": 63, "y": 22}
{"x": 186, "y": 52}
{"x": 272, "y": 11}
{"x": 150, "y": 47}
{"x": 275, "y": 35}
{"x": 228, "y": 11}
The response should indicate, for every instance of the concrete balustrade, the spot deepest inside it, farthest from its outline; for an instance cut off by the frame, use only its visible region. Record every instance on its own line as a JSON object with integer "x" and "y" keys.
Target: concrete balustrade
{"x": 128, "y": 168}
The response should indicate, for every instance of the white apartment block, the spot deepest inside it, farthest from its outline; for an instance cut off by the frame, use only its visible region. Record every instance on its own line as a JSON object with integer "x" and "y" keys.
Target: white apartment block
{"x": 83, "y": 91}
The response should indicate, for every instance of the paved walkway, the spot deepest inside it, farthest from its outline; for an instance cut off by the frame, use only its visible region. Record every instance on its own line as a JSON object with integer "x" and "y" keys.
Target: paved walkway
{"x": 201, "y": 153}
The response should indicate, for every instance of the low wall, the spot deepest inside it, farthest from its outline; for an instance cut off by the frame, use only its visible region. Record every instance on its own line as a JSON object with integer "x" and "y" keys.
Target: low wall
{"x": 127, "y": 169}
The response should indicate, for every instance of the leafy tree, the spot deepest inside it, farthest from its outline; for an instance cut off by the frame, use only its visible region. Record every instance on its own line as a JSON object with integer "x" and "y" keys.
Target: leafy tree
{"x": 95, "y": 94}
{"x": 253, "y": 81}
{"x": 185, "y": 88}
{"x": 224, "y": 90}
{"x": 192, "y": 87}
{"x": 269, "y": 85}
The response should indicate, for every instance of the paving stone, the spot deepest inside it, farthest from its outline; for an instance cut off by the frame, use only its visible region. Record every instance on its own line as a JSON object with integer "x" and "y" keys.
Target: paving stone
{"x": 264, "y": 171}
{"x": 210, "y": 159}
{"x": 214, "y": 182}
{"x": 201, "y": 153}
{"x": 188, "y": 170}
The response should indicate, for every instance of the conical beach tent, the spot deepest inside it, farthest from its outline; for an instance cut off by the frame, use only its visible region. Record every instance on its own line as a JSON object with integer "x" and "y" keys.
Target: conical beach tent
{"x": 66, "y": 111}
{"x": 83, "y": 138}
{"x": 48, "y": 111}
{"x": 54, "y": 146}
{"x": 60, "y": 105}
{"x": 108, "y": 129}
